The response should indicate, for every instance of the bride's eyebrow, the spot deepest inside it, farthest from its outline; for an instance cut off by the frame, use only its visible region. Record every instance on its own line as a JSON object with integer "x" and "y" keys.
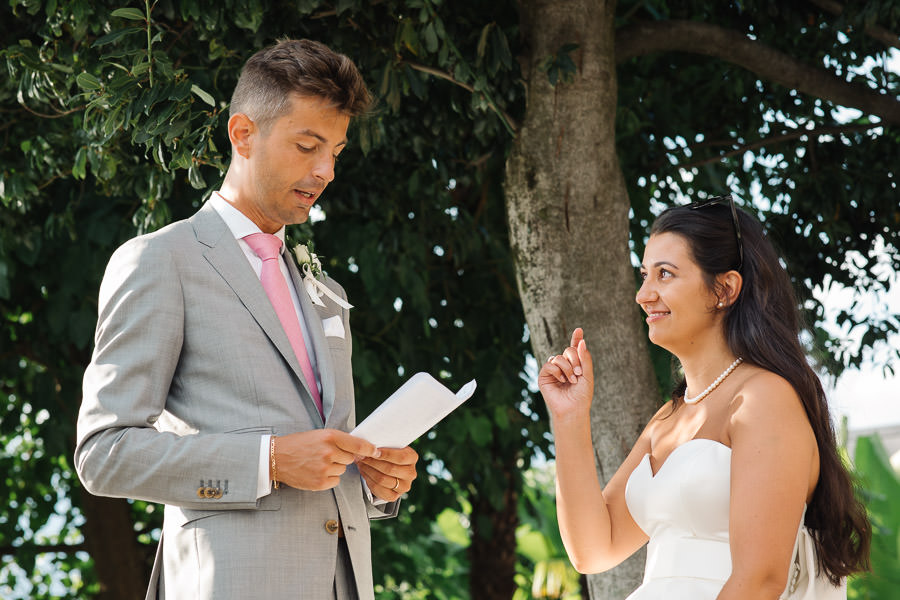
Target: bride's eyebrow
{"x": 661, "y": 263}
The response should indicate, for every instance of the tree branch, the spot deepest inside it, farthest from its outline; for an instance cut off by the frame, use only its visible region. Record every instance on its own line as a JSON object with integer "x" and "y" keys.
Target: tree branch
{"x": 438, "y": 73}
{"x": 778, "y": 139}
{"x": 333, "y": 12}
{"x": 444, "y": 75}
{"x": 767, "y": 63}
{"x": 876, "y": 32}
{"x": 42, "y": 548}
{"x": 60, "y": 113}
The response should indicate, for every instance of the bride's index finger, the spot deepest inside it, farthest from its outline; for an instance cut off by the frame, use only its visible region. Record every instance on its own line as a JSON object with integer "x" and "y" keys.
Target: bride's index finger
{"x": 577, "y": 336}
{"x": 584, "y": 357}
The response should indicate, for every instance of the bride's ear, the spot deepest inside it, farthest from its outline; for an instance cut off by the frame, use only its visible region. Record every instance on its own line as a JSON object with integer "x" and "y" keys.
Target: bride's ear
{"x": 728, "y": 287}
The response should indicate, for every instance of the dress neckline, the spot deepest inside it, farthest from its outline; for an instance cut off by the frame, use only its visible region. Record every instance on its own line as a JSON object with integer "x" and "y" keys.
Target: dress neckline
{"x": 676, "y": 449}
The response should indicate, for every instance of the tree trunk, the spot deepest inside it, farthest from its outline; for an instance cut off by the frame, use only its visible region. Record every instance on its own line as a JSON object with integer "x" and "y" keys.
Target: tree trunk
{"x": 119, "y": 561}
{"x": 568, "y": 219}
{"x": 492, "y": 553}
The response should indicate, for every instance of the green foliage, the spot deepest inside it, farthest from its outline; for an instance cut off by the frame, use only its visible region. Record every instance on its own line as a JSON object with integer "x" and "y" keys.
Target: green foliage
{"x": 880, "y": 489}
{"x": 560, "y": 67}
{"x": 438, "y": 559}
{"x": 544, "y": 570}
{"x": 113, "y": 124}
{"x": 823, "y": 180}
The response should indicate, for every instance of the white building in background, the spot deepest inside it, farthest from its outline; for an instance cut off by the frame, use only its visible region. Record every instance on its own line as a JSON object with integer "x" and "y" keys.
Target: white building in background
{"x": 870, "y": 401}
{"x": 890, "y": 437}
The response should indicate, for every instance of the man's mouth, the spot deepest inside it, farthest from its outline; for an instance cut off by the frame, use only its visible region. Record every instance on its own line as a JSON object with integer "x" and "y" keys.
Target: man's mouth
{"x": 305, "y": 194}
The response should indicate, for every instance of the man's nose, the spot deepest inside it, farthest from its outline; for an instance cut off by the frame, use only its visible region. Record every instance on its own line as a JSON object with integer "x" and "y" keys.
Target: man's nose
{"x": 324, "y": 168}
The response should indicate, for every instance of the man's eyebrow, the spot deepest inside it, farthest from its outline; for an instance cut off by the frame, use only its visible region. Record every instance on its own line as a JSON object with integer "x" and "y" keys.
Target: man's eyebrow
{"x": 319, "y": 137}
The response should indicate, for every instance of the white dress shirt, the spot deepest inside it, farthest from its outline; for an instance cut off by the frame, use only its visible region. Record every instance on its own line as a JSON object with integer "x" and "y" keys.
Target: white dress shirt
{"x": 240, "y": 227}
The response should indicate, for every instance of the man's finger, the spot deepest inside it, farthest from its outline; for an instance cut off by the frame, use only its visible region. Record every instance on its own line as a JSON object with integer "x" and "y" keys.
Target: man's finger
{"x": 355, "y": 445}
{"x": 399, "y": 456}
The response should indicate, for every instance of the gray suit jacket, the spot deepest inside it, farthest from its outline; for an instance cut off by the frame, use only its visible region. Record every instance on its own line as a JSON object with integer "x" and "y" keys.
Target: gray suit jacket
{"x": 190, "y": 367}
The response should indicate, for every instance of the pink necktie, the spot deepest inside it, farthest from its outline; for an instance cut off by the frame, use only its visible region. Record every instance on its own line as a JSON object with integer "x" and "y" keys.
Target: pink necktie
{"x": 267, "y": 247}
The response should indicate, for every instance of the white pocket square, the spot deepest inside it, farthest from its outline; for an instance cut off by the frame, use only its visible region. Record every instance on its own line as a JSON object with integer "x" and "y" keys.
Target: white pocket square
{"x": 333, "y": 327}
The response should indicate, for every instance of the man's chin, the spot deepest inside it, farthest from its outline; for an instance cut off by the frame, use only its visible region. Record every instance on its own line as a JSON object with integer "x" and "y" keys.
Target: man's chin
{"x": 300, "y": 217}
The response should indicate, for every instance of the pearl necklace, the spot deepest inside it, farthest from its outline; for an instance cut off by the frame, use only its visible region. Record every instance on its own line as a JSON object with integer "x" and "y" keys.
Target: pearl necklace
{"x": 714, "y": 384}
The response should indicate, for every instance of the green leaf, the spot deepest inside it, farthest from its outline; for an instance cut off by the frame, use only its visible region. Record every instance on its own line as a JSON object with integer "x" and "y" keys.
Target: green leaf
{"x": 205, "y": 96}
{"x": 409, "y": 37}
{"x": 431, "y": 39}
{"x": 482, "y": 41}
{"x": 4, "y": 281}
{"x": 86, "y": 81}
{"x": 115, "y": 35}
{"x": 80, "y": 164}
{"x": 195, "y": 178}
{"x": 129, "y": 13}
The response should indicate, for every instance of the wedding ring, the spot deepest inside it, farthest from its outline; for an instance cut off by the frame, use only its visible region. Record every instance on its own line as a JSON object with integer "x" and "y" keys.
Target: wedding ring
{"x": 552, "y": 356}
{"x": 396, "y": 485}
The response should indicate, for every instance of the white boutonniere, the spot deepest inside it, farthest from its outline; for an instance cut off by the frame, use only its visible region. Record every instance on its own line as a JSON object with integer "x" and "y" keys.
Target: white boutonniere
{"x": 308, "y": 261}
{"x": 311, "y": 269}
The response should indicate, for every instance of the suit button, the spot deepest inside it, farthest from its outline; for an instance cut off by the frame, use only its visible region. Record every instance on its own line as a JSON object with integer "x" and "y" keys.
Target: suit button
{"x": 210, "y": 492}
{"x": 331, "y": 526}
{"x": 201, "y": 491}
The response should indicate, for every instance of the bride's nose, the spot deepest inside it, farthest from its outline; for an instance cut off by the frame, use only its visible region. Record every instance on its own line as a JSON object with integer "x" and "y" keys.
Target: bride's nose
{"x": 645, "y": 293}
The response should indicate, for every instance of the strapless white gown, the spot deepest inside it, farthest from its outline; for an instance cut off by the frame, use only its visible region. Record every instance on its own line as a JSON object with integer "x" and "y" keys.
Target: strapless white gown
{"x": 684, "y": 511}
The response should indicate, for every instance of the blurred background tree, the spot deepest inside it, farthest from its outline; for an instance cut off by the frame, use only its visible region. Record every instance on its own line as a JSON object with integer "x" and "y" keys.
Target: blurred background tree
{"x": 515, "y": 160}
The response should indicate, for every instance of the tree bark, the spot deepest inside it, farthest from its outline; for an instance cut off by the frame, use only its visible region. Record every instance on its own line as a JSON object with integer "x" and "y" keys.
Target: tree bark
{"x": 568, "y": 217}
{"x": 120, "y": 562}
{"x": 492, "y": 553}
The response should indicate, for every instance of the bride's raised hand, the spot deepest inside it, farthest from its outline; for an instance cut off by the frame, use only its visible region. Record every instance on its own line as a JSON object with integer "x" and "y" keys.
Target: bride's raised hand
{"x": 566, "y": 380}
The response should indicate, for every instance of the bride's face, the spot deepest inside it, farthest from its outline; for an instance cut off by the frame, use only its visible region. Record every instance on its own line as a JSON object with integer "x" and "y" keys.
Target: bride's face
{"x": 680, "y": 307}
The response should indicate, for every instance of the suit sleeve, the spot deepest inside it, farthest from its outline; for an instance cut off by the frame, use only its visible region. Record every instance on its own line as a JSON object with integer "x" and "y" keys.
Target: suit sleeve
{"x": 138, "y": 342}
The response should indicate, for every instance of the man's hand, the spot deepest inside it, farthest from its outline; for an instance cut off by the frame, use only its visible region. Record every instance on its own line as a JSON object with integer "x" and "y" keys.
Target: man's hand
{"x": 315, "y": 460}
{"x": 390, "y": 475}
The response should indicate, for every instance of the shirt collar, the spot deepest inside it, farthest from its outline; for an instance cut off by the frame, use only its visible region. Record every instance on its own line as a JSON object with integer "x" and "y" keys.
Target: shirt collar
{"x": 239, "y": 224}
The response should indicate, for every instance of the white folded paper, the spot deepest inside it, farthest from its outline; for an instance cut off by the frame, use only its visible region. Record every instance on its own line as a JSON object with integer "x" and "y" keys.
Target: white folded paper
{"x": 413, "y": 409}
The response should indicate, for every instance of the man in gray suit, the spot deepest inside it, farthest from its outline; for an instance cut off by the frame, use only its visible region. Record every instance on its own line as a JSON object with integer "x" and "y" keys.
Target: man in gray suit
{"x": 206, "y": 394}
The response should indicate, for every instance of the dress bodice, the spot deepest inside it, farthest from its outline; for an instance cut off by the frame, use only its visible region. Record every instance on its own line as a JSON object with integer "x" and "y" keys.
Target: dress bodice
{"x": 684, "y": 510}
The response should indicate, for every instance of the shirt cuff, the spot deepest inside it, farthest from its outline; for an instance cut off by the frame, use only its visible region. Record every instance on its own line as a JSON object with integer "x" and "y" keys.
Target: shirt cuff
{"x": 263, "y": 483}
{"x": 373, "y": 500}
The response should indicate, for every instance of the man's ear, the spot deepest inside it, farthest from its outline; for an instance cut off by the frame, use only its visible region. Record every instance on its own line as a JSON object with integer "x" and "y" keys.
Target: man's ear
{"x": 240, "y": 131}
{"x": 728, "y": 287}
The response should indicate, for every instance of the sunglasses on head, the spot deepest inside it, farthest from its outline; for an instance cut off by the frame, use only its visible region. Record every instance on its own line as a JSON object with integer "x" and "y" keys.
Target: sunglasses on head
{"x": 729, "y": 199}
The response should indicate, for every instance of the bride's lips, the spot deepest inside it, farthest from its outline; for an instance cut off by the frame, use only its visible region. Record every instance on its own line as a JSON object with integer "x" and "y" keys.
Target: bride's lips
{"x": 656, "y": 315}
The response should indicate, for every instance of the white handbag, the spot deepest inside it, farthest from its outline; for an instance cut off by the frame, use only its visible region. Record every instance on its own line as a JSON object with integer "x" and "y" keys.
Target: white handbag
{"x": 804, "y": 582}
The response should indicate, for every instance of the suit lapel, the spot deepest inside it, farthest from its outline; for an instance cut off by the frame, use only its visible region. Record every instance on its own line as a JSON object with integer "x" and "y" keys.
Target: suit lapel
{"x": 317, "y": 334}
{"x": 225, "y": 255}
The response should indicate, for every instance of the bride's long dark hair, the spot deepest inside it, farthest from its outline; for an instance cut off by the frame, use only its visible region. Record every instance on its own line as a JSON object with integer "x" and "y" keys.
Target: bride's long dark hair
{"x": 763, "y": 327}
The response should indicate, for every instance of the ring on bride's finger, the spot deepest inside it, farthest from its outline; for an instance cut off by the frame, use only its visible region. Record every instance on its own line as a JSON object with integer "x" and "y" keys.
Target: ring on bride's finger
{"x": 552, "y": 356}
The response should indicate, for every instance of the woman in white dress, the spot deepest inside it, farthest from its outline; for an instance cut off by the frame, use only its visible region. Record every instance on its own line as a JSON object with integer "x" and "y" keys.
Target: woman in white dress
{"x": 740, "y": 468}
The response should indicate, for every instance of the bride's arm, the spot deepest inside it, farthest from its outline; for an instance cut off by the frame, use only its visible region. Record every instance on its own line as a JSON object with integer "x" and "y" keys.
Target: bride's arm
{"x": 596, "y": 527}
{"x": 774, "y": 468}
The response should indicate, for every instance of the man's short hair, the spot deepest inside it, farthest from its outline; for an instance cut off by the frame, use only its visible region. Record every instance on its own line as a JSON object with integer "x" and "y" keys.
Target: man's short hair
{"x": 303, "y": 67}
